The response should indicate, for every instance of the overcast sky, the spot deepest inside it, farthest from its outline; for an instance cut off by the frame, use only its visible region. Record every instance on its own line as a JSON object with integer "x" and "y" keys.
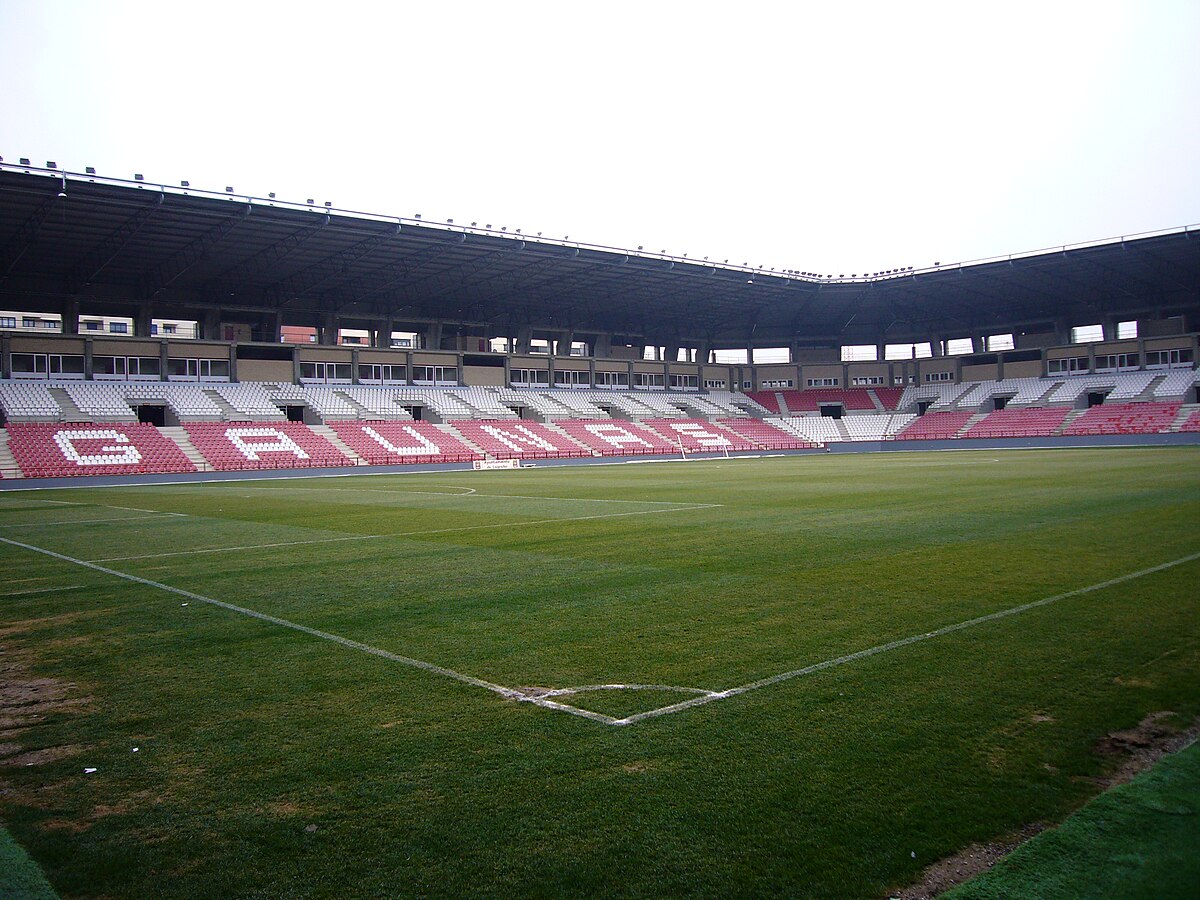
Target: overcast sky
{"x": 827, "y": 137}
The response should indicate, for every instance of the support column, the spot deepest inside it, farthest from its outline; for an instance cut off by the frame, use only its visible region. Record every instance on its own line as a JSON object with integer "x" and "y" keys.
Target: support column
{"x": 273, "y": 326}
{"x": 210, "y": 325}
{"x": 433, "y": 336}
{"x": 565, "y": 339}
{"x": 70, "y": 316}
{"x": 327, "y": 330}
{"x": 524, "y": 339}
{"x": 603, "y": 346}
{"x": 141, "y": 321}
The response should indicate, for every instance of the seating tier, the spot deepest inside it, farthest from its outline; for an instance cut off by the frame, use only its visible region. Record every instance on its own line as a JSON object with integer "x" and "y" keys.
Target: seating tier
{"x": 699, "y": 435}
{"x": 231, "y": 446}
{"x": 935, "y": 426}
{"x": 1125, "y": 418}
{"x": 1029, "y": 422}
{"x": 386, "y": 443}
{"x": 56, "y": 449}
{"x": 765, "y": 435}
{"x": 617, "y": 438}
{"x": 518, "y": 440}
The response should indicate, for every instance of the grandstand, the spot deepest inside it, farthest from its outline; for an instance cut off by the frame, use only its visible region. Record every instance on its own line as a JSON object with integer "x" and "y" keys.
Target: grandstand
{"x": 507, "y": 423}
{"x": 468, "y": 388}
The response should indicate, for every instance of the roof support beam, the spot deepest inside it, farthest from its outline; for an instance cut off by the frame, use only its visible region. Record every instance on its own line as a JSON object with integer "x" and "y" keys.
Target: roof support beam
{"x": 290, "y": 289}
{"x": 164, "y": 274}
{"x": 26, "y": 236}
{"x": 89, "y": 268}
{"x": 232, "y": 278}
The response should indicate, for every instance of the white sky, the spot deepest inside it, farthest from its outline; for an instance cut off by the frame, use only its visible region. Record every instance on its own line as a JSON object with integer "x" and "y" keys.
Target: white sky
{"x": 827, "y": 137}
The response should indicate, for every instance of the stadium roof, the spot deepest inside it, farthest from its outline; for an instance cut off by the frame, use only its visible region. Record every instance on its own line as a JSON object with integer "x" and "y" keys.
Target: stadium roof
{"x": 121, "y": 246}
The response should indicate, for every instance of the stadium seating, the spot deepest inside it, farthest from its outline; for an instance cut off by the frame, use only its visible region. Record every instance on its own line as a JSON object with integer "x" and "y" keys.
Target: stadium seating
{"x": 386, "y": 443}
{"x": 1120, "y": 386}
{"x": 518, "y": 440}
{"x": 28, "y": 400}
{"x": 889, "y": 397}
{"x": 484, "y": 402}
{"x": 935, "y": 426}
{"x": 811, "y": 400}
{"x": 816, "y": 429}
{"x": 56, "y": 449}
{"x": 1125, "y": 418}
{"x": 765, "y": 435}
{"x": 767, "y": 400}
{"x": 1192, "y": 423}
{"x": 613, "y": 438}
{"x": 231, "y": 446}
{"x": 1027, "y": 422}
{"x": 875, "y": 428}
{"x": 698, "y": 435}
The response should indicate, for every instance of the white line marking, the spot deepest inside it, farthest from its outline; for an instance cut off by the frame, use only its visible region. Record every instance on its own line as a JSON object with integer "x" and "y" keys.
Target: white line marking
{"x": 274, "y": 620}
{"x": 473, "y": 492}
{"x": 400, "y": 534}
{"x": 69, "y": 587}
{"x": 87, "y": 521}
{"x": 902, "y": 642}
{"x": 543, "y": 701}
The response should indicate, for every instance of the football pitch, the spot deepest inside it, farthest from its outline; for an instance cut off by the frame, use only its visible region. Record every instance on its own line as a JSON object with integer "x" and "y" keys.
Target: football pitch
{"x": 808, "y": 675}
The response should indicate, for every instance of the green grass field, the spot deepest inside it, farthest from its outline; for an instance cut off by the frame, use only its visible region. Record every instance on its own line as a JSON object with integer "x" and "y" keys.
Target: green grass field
{"x": 278, "y": 762}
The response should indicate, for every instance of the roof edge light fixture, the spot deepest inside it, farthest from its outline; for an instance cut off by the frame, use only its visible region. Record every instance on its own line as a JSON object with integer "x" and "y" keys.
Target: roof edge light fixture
{"x": 89, "y": 170}
{"x": 138, "y": 176}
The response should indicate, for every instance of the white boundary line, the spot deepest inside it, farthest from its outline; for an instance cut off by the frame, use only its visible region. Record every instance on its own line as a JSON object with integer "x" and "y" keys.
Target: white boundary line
{"x": 402, "y": 534}
{"x": 87, "y": 521}
{"x": 544, "y": 700}
{"x": 474, "y": 493}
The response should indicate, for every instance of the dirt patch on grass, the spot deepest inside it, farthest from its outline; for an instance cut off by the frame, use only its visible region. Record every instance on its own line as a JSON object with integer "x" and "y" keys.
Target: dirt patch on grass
{"x": 24, "y": 626}
{"x": 43, "y": 756}
{"x": 1138, "y": 748}
{"x": 21, "y": 692}
{"x": 1142, "y": 746}
{"x": 964, "y": 865}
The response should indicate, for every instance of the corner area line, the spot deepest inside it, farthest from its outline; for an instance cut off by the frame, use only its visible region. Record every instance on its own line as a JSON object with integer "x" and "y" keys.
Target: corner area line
{"x": 902, "y": 642}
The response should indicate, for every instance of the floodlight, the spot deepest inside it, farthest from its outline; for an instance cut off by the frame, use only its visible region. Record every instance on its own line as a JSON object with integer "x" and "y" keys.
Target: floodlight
{"x": 24, "y": 161}
{"x": 185, "y": 184}
{"x": 311, "y": 201}
{"x": 51, "y": 165}
{"x": 90, "y": 170}
{"x": 139, "y": 177}
{"x": 228, "y": 189}
{"x": 271, "y": 195}
{"x": 449, "y": 221}
{"x": 328, "y": 205}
